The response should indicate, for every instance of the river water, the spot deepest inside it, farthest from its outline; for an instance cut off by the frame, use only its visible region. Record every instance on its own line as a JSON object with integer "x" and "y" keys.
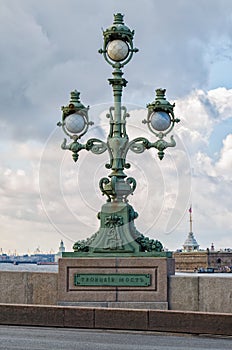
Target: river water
{"x": 28, "y": 267}
{"x": 54, "y": 268}
{"x": 195, "y": 274}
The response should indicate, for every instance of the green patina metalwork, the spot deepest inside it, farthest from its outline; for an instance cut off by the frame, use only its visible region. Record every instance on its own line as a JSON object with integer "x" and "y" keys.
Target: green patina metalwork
{"x": 112, "y": 279}
{"x": 117, "y": 234}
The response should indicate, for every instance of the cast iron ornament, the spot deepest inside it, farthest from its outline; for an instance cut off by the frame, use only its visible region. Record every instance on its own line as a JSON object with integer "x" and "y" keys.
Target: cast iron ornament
{"x": 117, "y": 234}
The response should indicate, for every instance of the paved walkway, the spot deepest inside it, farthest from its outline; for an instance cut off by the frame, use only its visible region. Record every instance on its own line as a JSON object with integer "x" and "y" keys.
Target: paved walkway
{"x": 40, "y": 338}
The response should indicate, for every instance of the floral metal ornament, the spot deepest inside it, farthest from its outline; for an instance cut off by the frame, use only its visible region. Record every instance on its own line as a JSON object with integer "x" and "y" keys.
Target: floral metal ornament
{"x": 113, "y": 220}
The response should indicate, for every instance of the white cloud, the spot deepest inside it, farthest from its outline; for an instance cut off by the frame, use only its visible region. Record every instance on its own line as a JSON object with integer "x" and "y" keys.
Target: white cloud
{"x": 224, "y": 164}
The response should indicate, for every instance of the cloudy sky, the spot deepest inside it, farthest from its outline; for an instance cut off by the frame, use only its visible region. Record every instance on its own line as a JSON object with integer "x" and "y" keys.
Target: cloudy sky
{"x": 50, "y": 47}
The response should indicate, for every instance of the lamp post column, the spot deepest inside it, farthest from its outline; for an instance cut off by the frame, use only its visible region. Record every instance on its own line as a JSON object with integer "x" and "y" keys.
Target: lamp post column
{"x": 118, "y": 83}
{"x": 117, "y": 138}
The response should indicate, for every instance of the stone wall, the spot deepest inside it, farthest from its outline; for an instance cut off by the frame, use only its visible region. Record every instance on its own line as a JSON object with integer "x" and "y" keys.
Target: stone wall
{"x": 124, "y": 319}
{"x": 28, "y": 287}
{"x": 200, "y": 293}
{"x": 187, "y": 293}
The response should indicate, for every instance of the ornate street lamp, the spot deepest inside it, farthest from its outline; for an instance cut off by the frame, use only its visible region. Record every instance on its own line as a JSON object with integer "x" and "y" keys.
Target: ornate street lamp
{"x": 117, "y": 234}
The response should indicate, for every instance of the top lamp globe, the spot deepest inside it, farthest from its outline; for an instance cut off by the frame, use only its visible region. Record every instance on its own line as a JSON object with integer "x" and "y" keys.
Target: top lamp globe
{"x": 160, "y": 121}
{"x": 117, "y": 50}
{"x": 75, "y": 123}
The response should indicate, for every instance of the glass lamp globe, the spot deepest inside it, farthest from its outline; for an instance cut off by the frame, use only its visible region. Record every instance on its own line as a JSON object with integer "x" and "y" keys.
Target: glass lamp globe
{"x": 117, "y": 50}
{"x": 75, "y": 123}
{"x": 160, "y": 121}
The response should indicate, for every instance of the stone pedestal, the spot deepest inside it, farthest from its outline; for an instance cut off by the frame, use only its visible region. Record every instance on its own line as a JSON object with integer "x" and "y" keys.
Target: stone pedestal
{"x": 120, "y": 272}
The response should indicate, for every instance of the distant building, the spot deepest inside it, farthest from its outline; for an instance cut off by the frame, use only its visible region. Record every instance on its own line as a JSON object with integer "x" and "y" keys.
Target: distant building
{"x": 191, "y": 258}
{"x": 221, "y": 261}
{"x": 190, "y": 245}
{"x": 61, "y": 251}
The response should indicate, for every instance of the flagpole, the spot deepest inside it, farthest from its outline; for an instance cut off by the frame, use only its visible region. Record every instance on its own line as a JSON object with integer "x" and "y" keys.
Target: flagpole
{"x": 190, "y": 219}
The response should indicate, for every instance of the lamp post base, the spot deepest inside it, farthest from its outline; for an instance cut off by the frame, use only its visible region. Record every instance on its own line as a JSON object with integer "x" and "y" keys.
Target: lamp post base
{"x": 117, "y": 235}
{"x": 115, "y": 282}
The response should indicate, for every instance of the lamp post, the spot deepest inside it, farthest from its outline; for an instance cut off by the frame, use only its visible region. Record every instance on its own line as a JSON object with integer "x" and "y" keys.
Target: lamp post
{"x": 117, "y": 234}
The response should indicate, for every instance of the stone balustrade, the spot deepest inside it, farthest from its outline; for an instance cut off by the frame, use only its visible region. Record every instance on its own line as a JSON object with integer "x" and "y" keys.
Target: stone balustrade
{"x": 185, "y": 293}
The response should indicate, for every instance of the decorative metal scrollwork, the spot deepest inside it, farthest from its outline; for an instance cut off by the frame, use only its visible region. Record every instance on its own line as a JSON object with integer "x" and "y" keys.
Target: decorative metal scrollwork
{"x": 105, "y": 181}
{"x": 161, "y": 145}
{"x": 131, "y": 181}
{"x": 139, "y": 145}
{"x": 96, "y": 146}
{"x": 74, "y": 146}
